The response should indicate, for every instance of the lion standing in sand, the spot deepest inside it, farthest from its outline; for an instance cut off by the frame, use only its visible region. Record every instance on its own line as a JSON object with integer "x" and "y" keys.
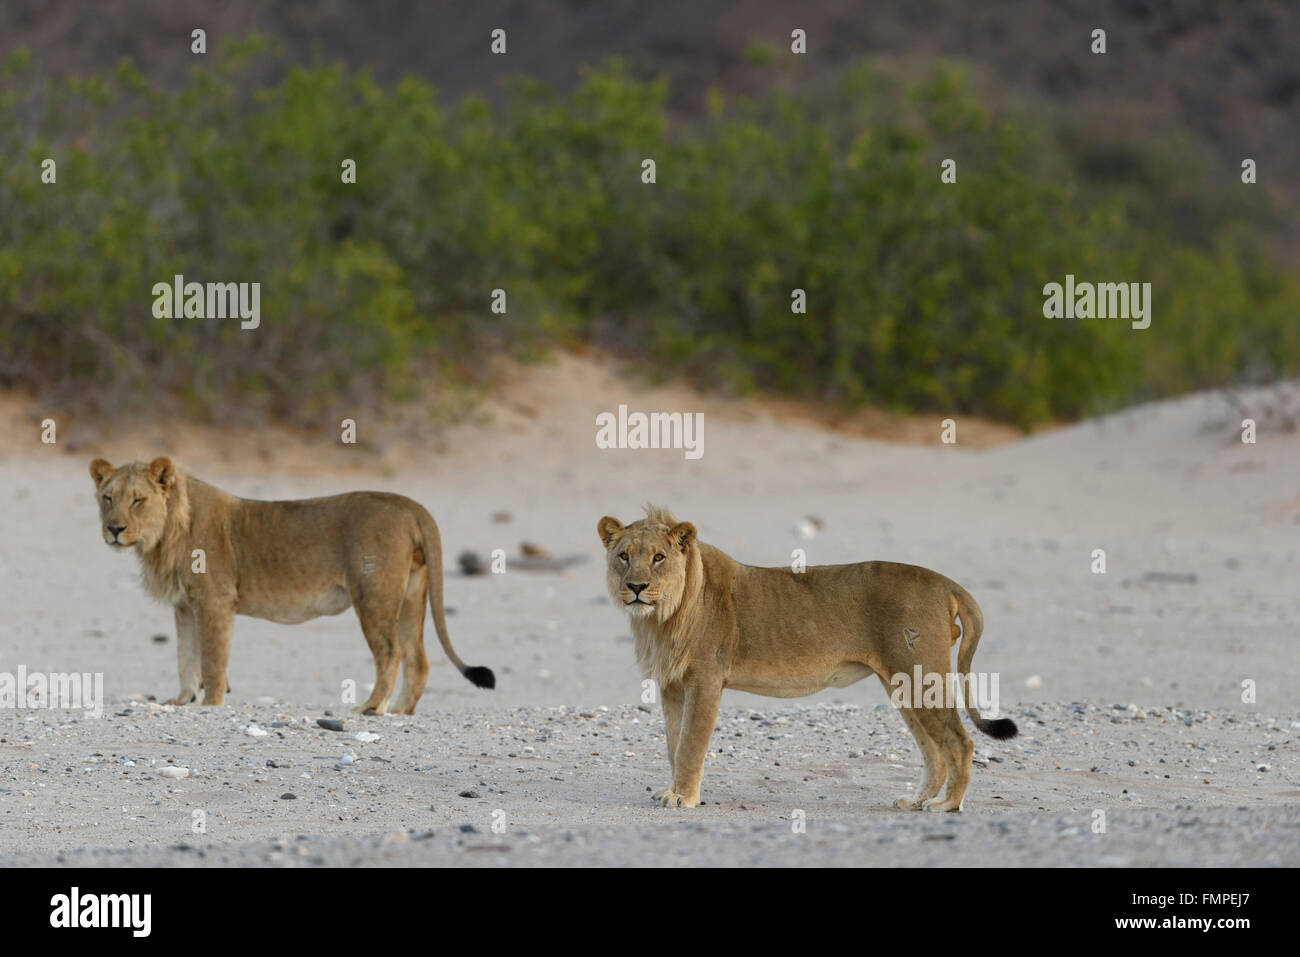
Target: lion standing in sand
{"x": 704, "y": 622}
{"x": 213, "y": 556}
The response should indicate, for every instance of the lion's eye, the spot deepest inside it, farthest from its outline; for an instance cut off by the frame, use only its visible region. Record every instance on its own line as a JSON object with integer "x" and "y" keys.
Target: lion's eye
{"x": 137, "y": 502}
{"x": 658, "y": 558}
{"x": 623, "y": 555}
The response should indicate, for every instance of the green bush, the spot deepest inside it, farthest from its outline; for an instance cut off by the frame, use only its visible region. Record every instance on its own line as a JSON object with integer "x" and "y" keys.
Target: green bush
{"x": 920, "y": 295}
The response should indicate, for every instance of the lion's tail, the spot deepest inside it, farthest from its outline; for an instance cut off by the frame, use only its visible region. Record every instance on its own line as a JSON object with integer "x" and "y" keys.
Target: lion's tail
{"x": 972, "y": 626}
{"x": 432, "y": 545}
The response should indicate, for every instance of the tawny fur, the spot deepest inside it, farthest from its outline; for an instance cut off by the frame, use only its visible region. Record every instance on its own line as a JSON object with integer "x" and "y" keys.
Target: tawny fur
{"x": 212, "y": 556}
{"x": 704, "y": 622}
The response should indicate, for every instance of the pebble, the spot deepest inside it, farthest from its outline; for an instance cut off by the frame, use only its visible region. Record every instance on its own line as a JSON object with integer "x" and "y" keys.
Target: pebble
{"x": 171, "y": 771}
{"x": 471, "y": 564}
{"x": 330, "y": 724}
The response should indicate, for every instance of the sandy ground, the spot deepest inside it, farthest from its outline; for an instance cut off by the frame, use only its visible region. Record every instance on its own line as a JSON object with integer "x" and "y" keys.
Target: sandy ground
{"x": 1128, "y": 685}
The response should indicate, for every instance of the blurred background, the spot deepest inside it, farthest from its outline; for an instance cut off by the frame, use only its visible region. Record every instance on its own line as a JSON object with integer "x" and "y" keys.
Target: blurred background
{"x": 522, "y": 171}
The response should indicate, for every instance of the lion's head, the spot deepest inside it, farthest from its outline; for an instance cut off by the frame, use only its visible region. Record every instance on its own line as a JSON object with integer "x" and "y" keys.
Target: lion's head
{"x": 133, "y": 501}
{"x": 646, "y": 562}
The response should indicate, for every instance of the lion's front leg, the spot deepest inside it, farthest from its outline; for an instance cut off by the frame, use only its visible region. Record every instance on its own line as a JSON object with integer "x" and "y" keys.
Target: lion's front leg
{"x": 674, "y": 697}
{"x": 699, "y": 714}
{"x": 215, "y": 625}
{"x": 188, "y": 661}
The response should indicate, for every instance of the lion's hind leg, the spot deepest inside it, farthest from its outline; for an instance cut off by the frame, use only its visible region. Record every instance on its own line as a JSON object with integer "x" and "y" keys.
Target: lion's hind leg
{"x": 377, "y": 607}
{"x": 936, "y": 768}
{"x": 945, "y": 728}
{"x": 410, "y": 642}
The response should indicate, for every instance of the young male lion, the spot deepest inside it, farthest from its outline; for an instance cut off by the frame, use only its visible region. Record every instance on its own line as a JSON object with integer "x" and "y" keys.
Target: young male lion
{"x": 214, "y": 556}
{"x": 704, "y": 622}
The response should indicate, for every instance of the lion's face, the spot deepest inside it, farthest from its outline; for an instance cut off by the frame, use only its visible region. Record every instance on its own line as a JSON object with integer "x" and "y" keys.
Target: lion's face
{"x": 133, "y": 501}
{"x": 646, "y": 564}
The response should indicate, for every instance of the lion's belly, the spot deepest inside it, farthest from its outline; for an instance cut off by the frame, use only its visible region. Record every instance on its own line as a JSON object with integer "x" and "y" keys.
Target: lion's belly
{"x": 295, "y": 609}
{"x": 788, "y": 683}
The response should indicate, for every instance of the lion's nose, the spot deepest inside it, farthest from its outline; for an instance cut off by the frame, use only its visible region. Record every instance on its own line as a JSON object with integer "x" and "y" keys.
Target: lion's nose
{"x": 116, "y": 529}
{"x": 637, "y": 589}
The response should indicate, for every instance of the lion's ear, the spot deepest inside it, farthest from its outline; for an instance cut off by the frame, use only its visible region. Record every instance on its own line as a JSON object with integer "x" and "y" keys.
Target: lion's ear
{"x": 683, "y": 533}
{"x": 608, "y": 528}
{"x": 100, "y": 469}
{"x": 162, "y": 472}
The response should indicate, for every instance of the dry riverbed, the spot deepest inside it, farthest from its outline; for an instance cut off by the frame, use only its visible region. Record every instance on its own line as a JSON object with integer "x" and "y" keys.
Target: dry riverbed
{"x": 1157, "y": 699}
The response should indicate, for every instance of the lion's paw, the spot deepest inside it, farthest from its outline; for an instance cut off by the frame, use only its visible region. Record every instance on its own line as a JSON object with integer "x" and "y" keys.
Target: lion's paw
{"x": 941, "y": 804}
{"x": 908, "y": 804}
{"x": 670, "y": 798}
{"x": 185, "y": 697}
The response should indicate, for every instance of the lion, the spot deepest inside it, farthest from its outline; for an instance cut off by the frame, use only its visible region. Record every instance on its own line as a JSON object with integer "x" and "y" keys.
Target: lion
{"x": 213, "y": 556}
{"x": 704, "y": 622}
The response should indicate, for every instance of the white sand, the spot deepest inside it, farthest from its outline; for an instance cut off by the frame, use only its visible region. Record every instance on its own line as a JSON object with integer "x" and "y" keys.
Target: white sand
{"x": 1165, "y": 488}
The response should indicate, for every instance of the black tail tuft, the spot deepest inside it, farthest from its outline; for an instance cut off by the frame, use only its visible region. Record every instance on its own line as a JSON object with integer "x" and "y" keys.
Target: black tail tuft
{"x": 484, "y": 678}
{"x": 1000, "y": 728}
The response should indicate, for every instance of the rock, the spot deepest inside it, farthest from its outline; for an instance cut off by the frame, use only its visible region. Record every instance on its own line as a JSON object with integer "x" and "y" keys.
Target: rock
{"x": 171, "y": 771}
{"x": 1171, "y": 578}
{"x": 809, "y": 526}
{"x": 533, "y": 550}
{"x": 330, "y": 724}
{"x": 160, "y": 639}
{"x": 545, "y": 563}
{"x": 365, "y": 737}
{"x": 468, "y": 793}
{"x": 468, "y": 829}
{"x": 471, "y": 564}
{"x": 253, "y": 731}
{"x": 288, "y": 796}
